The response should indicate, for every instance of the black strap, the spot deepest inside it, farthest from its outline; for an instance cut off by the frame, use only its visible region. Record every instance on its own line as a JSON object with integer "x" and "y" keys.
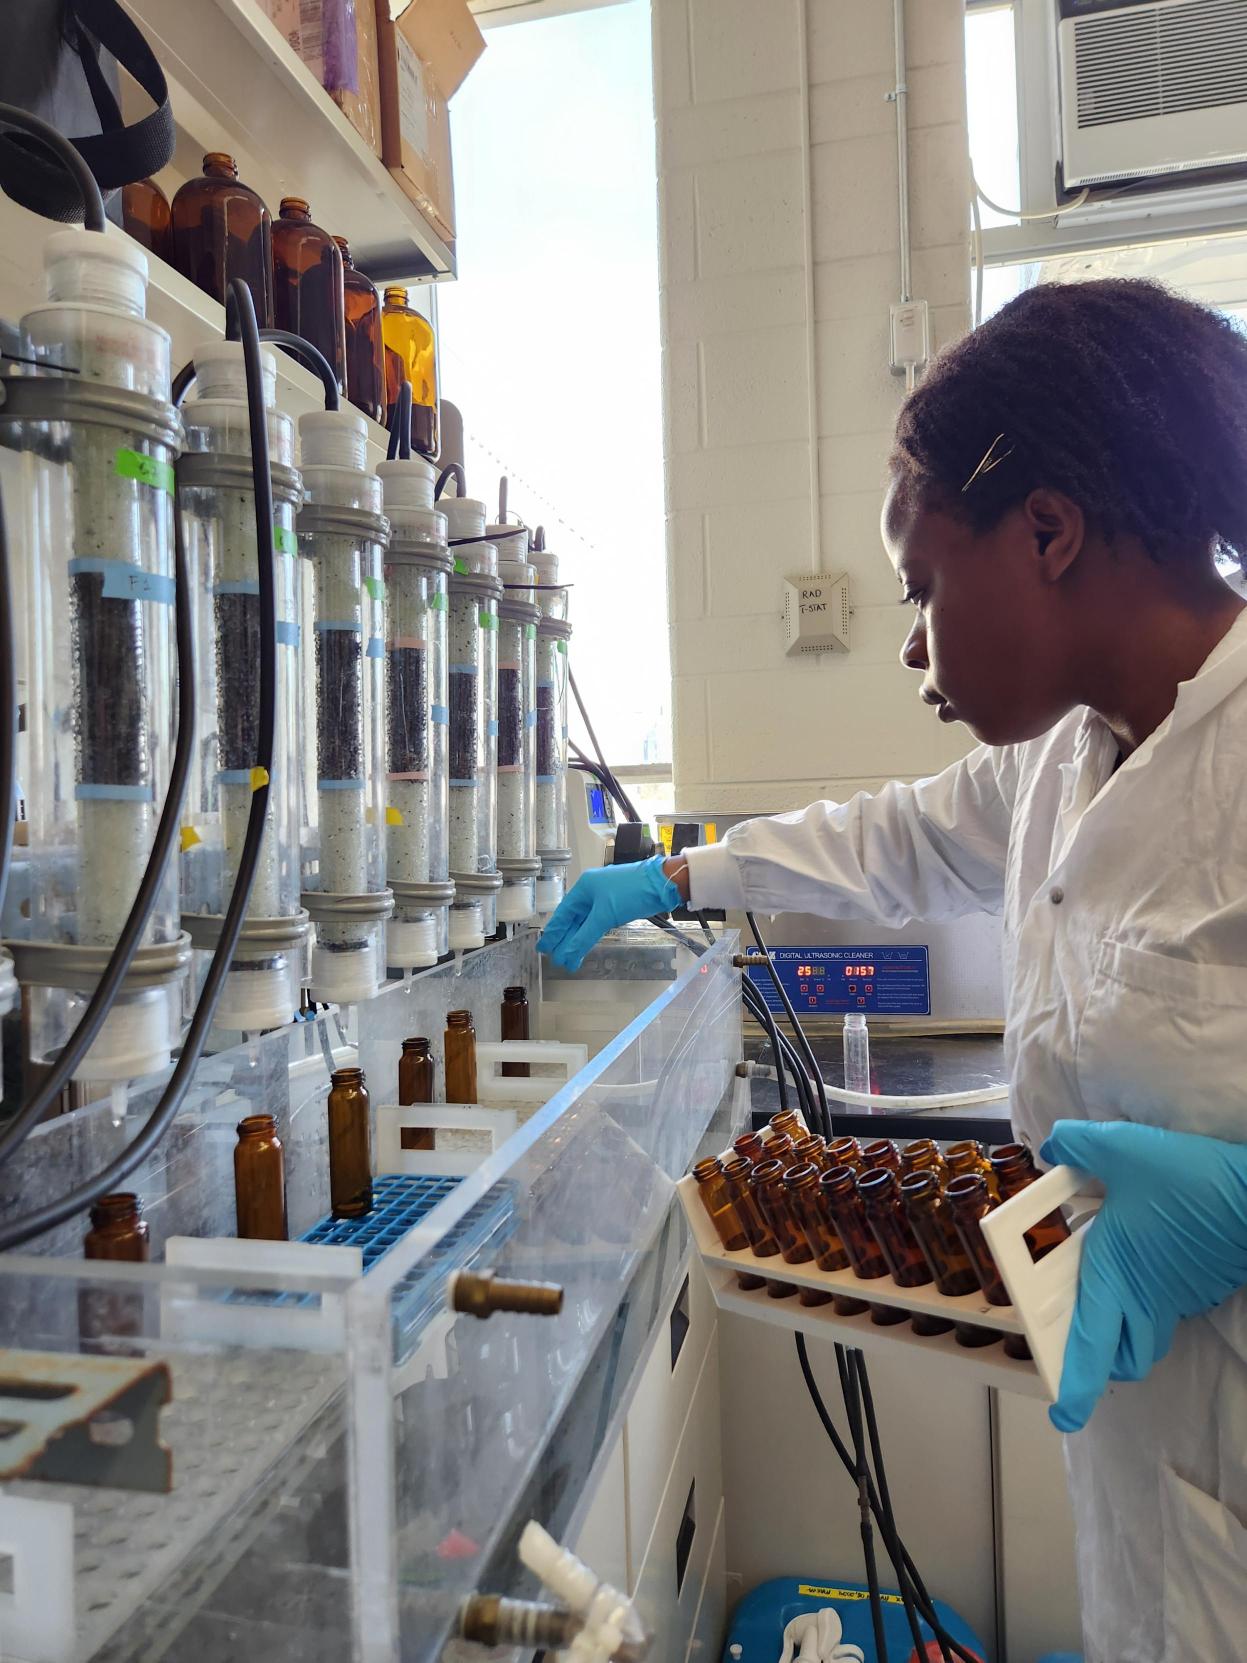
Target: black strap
{"x": 118, "y": 154}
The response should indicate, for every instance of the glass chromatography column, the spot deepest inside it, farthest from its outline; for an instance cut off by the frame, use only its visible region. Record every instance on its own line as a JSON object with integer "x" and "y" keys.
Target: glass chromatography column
{"x": 342, "y": 536}
{"x": 550, "y": 761}
{"x": 91, "y": 525}
{"x": 518, "y": 617}
{"x": 218, "y": 505}
{"x": 475, "y": 591}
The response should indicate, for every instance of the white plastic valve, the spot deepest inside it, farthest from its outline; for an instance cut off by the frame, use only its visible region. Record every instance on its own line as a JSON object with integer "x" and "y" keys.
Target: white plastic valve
{"x": 610, "y": 1621}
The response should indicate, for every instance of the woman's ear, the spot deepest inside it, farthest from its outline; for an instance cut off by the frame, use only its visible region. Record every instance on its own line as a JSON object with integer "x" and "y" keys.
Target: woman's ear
{"x": 1058, "y": 529}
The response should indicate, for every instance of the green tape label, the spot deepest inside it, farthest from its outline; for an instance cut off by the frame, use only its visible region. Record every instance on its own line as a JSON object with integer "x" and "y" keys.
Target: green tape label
{"x": 488, "y": 620}
{"x": 285, "y": 542}
{"x": 562, "y": 646}
{"x": 131, "y": 465}
{"x": 462, "y": 567}
{"x": 375, "y": 587}
{"x": 530, "y": 632}
{"x": 437, "y": 601}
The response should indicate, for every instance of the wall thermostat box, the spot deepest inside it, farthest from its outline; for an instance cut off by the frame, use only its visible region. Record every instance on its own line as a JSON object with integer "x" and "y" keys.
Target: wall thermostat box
{"x": 816, "y": 613}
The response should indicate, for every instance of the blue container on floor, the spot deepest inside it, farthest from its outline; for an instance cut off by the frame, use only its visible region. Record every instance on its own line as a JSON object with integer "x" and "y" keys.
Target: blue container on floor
{"x": 760, "y": 1619}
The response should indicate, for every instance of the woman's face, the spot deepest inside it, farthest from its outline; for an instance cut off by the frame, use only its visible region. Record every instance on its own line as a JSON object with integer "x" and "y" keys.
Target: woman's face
{"x": 990, "y": 630}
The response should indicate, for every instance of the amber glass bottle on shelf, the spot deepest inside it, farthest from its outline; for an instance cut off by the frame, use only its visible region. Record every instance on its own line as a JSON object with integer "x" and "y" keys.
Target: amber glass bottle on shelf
{"x": 410, "y": 335}
{"x": 222, "y": 230}
{"x": 764, "y": 1174}
{"x": 748, "y": 1146}
{"x": 514, "y": 1016}
{"x": 1014, "y": 1169}
{"x": 309, "y": 297}
{"x": 844, "y": 1152}
{"x": 839, "y": 1190}
{"x": 970, "y": 1200}
{"x": 922, "y": 1155}
{"x": 810, "y": 1147}
{"x": 365, "y": 350}
{"x": 146, "y": 216}
{"x": 767, "y": 1184}
{"x": 809, "y": 1209}
{"x": 881, "y": 1198}
{"x": 118, "y": 1232}
{"x": 881, "y": 1152}
{"x": 970, "y": 1156}
{"x": 712, "y": 1192}
{"x": 460, "y": 1056}
{"x": 736, "y": 1170}
{"x": 350, "y": 1145}
{"x": 260, "y": 1181}
{"x": 786, "y": 1121}
{"x": 778, "y": 1148}
{"x": 930, "y": 1218}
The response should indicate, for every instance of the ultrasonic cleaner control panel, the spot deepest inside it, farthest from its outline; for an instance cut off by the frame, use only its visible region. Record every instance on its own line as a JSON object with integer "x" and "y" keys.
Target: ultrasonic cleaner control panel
{"x": 882, "y": 981}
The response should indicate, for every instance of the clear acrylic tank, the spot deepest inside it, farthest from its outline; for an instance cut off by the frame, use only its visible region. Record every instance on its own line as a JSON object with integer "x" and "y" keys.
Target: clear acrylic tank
{"x": 219, "y": 525}
{"x": 342, "y": 538}
{"x": 89, "y": 503}
{"x": 418, "y": 564}
{"x": 475, "y": 591}
{"x": 553, "y": 635}
{"x": 518, "y": 617}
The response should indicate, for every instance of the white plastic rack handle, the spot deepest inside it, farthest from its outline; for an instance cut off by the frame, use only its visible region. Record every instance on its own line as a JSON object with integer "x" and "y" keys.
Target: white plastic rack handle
{"x": 495, "y": 1087}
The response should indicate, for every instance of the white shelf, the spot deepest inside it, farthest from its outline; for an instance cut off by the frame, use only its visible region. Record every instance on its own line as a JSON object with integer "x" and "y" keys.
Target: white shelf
{"x": 236, "y": 85}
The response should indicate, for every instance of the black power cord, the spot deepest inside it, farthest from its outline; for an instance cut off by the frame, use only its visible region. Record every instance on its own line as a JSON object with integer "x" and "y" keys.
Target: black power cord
{"x": 399, "y": 447}
{"x": 798, "y": 1031}
{"x": 861, "y": 1477}
{"x": 8, "y": 712}
{"x": 313, "y": 358}
{"x": 14, "y": 1232}
{"x": 93, "y": 216}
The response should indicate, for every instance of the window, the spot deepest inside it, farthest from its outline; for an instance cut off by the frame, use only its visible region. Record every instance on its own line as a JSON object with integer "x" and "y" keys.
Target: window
{"x": 550, "y": 337}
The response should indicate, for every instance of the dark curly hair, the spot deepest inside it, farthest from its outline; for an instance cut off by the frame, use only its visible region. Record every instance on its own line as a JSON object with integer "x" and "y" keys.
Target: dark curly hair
{"x": 1129, "y": 399}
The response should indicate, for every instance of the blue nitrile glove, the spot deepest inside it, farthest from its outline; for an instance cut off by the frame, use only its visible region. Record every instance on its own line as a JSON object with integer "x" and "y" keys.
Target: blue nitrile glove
{"x": 1169, "y": 1242}
{"x": 599, "y": 901}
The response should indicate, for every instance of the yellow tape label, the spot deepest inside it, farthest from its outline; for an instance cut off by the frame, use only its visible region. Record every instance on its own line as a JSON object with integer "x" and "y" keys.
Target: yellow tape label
{"x": 710, "y": 831}
{"x": 810, "y": 1590}
{"x": 664, "y": 837}
{"x": 189, "y": 838}
{"x": 259, "y": 777}
{"x": 393, "y": 817}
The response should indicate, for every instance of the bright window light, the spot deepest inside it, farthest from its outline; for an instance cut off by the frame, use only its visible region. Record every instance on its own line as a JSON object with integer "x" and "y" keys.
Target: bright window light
{"x": 992, "y": 107}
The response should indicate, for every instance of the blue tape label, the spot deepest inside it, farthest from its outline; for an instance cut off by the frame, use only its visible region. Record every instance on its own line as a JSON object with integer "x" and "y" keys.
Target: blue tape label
{"x": 287, "y": 634}
{"x": 124, "y": 581}
{"x": 375, "y": 647}
{"x": 114, "y": 794}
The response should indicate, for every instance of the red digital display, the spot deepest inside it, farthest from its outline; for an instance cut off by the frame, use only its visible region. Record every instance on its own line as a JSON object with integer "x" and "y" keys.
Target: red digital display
{"x": 856, "y": 970}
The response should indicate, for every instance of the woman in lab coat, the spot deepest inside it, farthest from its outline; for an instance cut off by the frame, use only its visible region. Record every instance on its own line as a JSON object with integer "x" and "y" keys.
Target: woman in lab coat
{"x": 1062, "y": 486}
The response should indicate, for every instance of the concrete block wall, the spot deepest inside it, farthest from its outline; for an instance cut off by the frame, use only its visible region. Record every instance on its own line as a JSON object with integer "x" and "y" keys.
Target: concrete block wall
{"x": 764, "y": 406}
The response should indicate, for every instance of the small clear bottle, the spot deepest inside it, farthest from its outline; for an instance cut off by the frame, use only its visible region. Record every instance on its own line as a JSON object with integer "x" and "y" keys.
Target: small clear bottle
{"x": 1013, "y": 1166}
{"x": 222, "y": 230}
{"x": 365, "y": 351}
{"x": 839, "y": 1189}
{"x": 922, "y": 1155}
{"x": 856, "y": 1053}
{"x": 931, "y": 1219}
{"x": 809, "y": 1209}
{"x": 350, "y": 1144}
{"x": 881, "y": 1198}
{"x": 260, "y": 1181}
{"x": 309, "y": 296}
{"x": 460, "y": 1056}
{"x": 970, "y": 1201}
{"x": 146, "y": 216}
{"x": 881, "y": 1152}
{"x": 514, "y": 1024}
{"x": 766, "y": 1184}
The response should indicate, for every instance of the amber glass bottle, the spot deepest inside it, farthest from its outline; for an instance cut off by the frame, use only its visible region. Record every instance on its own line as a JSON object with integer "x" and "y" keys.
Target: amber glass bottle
{"x": 809, "y": 1209}
{"x": 460, "y": 1054}
{"x": 762, "y": 1240}
{"x": 786, "y": 1121}
{"x": 411, "y": 336}
{"x": 970, "y": 1201}
{"x": 881, "y": 1152}
{"x": 970, "y": 1156}
{"x": 931, "y": 1220}
{"x": 365, "y": 350}
{"x": 350, "y": 1144}
{"x": 309, "y": 297}
{"x": 922, "y": 1155}
{"x": 222, "y": 230}
{"x": 778, "y": 1148}
{"x": 118, "y": 1232}
{"x": 880, "y": 1191}
{"x": 712, "y": 1192}
{"x": 839, "y": 1189}
{"x": 1014, "y": 1167}
{"x": 767, "y": 1184}
{"x": 810, "y": 1147}
{"x": 260, "y": 1180}
{"x": 748, "y": 1146}
{"x": 146, "y": 216}
{"x": 394, "y": 378}
{"x": 844, "y": 1152}
{"x": 764, "y": 1174}
{"x": 515, "y": 1026}
{"x": 415, "y": 1072}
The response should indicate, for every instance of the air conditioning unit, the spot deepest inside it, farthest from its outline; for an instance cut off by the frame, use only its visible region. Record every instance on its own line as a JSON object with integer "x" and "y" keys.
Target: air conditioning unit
{"x": 1151, "y": 90}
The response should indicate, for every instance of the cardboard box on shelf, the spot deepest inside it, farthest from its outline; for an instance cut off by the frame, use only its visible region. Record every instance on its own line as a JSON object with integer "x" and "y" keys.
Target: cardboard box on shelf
{"x": 424, "y": 58}
{"x": 337, "y": 40}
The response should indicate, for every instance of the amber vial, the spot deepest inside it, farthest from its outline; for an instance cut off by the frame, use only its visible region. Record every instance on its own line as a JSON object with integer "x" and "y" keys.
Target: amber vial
{"x": 118, "y": 1231}
{"x": 970, "y": 1156}
{"x": 881, "y": 1152}
{"x": 411, "y": 336}
{"x": 415, "y": 1085}
{"x": 922, "y": 1155}
{"x": 222, "y": 230}
{"x": 778, "y": 1148}
{"x": 809, "y": 1209}
{"x": 309, "y": 295}
{"x": 767, "y": 1176}
{"x": 1014, "y": 1167}
{"x": 844, "y": 1152}
{"x": 768, "y": 1185}
{"x": 260, "y": 1181}
{"x": 970, "y": 1201}
{"x": 931, "y": 1220}
{"x": 786, "y": 1121}
{"x": 712, "y": 1192}
{"x": 146, "y": 216}
{"x": 748, "y": 1146}
{"x": 762, "y": 1240}
{"x": 515, "y": 1026}
{"x": 880, "y": 1191}
{"x": 460, "y": 1053}
{"x": 810, "y": 1147}
{"x": 839, "y": 1190}
{"x": 365, "y": 350}
{"x": 350, "y": 1145}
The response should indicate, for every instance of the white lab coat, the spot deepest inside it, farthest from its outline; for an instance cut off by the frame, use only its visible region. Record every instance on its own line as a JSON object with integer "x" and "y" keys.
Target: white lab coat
{"x": 1124, "y": 902}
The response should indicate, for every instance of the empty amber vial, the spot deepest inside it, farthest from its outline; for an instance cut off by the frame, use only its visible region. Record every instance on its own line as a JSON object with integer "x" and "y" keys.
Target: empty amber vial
{"x": 844, "y": 1152}
{"x": 222, "y": 230}
{"x": 260, "y": 1181}
{"x": 809, "y": 1209}
{"x": 409, "y": 334}
{"x": 969, "y": 1156}
{"x": 931, "y": 1220}
{"x": 778, "y": 1149}
{"x": 880, "y": 1191}
{"x": 762, "y": 1239}
{"x": 748, "y": 1146}
{"x": 1014, "y": 1167}
{"x": 460, "y": 1052}
{"x": 839, "y": 1191}
{"x": 766, "y": 1185}
{"x": 365, "y": 350}
{"x": 309, "y": 294}
{"x": 712, "y": 1192}
{"x": 810, "y": 1147}
{"x": 146, "y": 216}
{"x": 970, "y": 1201}
{"x": 350, "y": 1145}
{"x": 881, "y": 1152}
{"x": 514, "y": 1019}
{"x": 118, "y": 1232}
{"x": 922, "y": 1155}
{"x": 789, "y": 1121}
